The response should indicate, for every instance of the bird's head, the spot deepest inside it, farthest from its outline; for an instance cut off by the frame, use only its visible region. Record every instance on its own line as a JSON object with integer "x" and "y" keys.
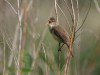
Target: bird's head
{"x": 52, "y": 22}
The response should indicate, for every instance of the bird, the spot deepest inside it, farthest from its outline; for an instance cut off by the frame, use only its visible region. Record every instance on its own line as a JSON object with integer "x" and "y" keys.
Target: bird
{"x": 58, "y": 32}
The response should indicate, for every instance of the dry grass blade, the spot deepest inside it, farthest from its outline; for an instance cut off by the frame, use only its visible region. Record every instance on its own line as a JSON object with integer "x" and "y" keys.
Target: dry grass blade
{"x": 20, "y": 35}
{"x": 97, "y": 5}
{"x": 59, "y": 44}
{"x": 59, "y": 59}
{"x": 4, "y": 66}
{"x": 56, "y": 11}
{"x": 38, "y": 49}
{"x": 68, "y": 9}
{"x": 23, "y": 36}
{"x": 11, "y": 6}
{"x": 73, "y": 11}
{"x": 46, "y": 72}
{"x": 67, "y": 63}
{"x": 84, "y": 18}
{"x": 39, "y": 45}
{"x": 65, "y": 17}
{"x": 68, "y": 57}
{"x": 77, "y": 13}
{"x": 4, "y": 35}
{"x": 14, "y": 46}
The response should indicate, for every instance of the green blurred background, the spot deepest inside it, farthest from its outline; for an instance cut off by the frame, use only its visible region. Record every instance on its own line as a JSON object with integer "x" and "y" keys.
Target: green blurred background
{"x": 40, "y": 49}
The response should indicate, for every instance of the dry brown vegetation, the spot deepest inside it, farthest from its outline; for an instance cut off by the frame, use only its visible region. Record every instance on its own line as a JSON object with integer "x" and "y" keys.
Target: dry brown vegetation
{"x": 27, "y": 48}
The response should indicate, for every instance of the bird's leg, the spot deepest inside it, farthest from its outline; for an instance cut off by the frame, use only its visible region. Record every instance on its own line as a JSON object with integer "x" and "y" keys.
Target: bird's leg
{"x": 60, "y": 46}
{"x": 59, "y": 49}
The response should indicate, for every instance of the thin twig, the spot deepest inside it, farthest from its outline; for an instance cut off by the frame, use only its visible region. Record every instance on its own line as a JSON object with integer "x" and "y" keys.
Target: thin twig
{"x": 59, "y": 50}
{"x": 12, "y": 55}
{"x": 15, "y": 59}
{"x": 77, "y": 36}
{"x": 97, "y": 5}
{"x": 14, "y": 46}
{"x": 56, "y": 11}
{"x": 77, "y": 13}
{"x": 11, "y": 6}
{"x": 19, "y": 19}
{"x": 73, "y": 11}
{"x": 69, "y": 53}
{"x": 58, "y": 62}
{"x": 59, "y": 59}
{"x": 45, "y": 57}
{"x": 4, "y": 65}
{"x": 68, "y": 10}
{"x": 10, "y": 48}
{"x": 20, "y": 35}
{"x": 61, "y": 47}
{"x": 39, "y": 45}
{"x": 71, "y": 42}
{"x": 84, "y": 18}
{"x": 67, "y": 63}
{"x": 77, "y": 23}
{"x": 65, "y": 17}
{"x": 33, "y": 54}
{"x": 23, "y": 35}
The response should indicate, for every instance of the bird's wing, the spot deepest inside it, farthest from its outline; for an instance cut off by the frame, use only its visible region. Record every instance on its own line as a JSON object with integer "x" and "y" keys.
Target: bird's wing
{"x": 62, "y": 34}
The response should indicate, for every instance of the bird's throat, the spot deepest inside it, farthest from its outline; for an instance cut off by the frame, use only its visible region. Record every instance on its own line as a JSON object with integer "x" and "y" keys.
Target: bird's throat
{"x": 52, "y": 25}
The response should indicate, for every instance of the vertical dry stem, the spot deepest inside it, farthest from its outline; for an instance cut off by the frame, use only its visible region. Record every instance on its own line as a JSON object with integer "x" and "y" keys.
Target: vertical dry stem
{"x": 45, "y": 58}
{"x": 58, "y": 62}
{"x": 20, "y": 35}
{"x": 67, "y": 63}
{"x": 23, "y": 37}
{"x": 65, "y": 17}
{"x": 71, "y": 41}
{"x": 4, "y": 65}
{"x": 13, "y": 55}
{"x": 56, "y": 11}
{"x": 96, "y": 2}
{"x": 59, "y": 43}
{"x": 73, "y": 12}
{"x": 59, "y": 59}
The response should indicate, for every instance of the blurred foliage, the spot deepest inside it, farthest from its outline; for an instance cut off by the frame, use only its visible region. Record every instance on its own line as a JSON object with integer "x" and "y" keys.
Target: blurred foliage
{"x": 86, "y": 48}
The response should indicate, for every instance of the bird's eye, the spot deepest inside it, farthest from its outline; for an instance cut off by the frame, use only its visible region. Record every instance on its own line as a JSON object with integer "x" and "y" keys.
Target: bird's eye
{"x": 49, "y": 21}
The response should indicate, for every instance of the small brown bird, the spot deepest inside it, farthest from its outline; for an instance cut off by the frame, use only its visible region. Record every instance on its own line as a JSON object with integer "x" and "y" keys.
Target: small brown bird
{"x": 59, "y": 33}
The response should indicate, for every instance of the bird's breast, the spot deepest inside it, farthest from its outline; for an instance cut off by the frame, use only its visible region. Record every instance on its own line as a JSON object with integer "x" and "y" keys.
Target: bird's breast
{"x": 55, "y": 37}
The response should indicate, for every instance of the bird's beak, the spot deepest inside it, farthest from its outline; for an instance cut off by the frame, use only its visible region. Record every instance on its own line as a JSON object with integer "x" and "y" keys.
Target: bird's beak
{"x": 48, "y": 22}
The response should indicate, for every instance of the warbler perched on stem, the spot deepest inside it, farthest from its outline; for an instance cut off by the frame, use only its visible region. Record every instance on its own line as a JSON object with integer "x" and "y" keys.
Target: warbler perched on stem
{"x": 59, "y": 33}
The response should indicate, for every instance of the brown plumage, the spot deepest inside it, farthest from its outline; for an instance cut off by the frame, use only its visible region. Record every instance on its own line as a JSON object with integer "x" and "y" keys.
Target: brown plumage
{"x": 59, "y": 33}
